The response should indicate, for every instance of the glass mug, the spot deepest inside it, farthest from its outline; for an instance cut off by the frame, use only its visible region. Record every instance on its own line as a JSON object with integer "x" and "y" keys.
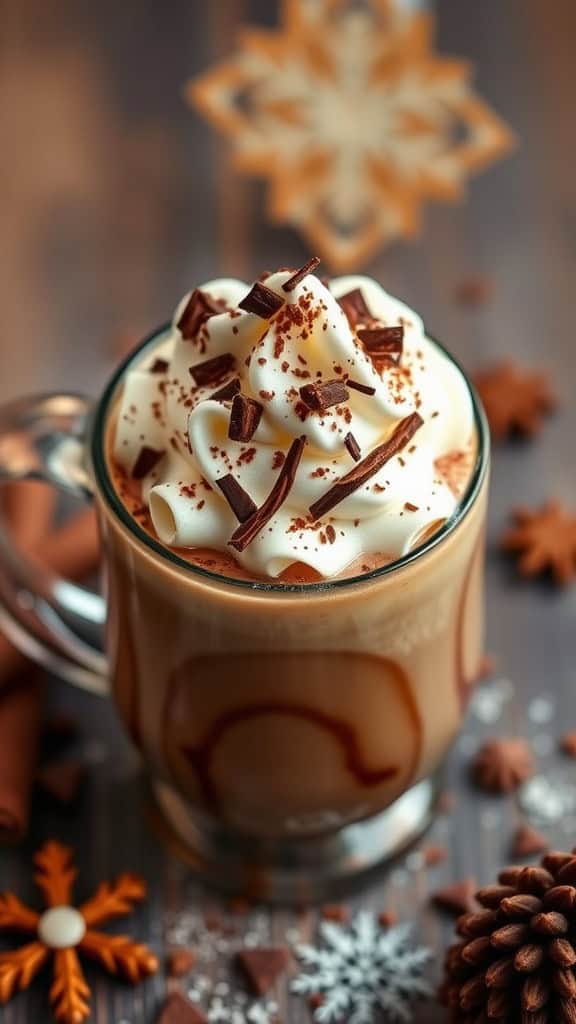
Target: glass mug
{"x": 292, "y": 734}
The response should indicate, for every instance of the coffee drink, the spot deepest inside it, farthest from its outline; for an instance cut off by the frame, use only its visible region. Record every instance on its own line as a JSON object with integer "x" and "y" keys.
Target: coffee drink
{"x": 295, "y": 575}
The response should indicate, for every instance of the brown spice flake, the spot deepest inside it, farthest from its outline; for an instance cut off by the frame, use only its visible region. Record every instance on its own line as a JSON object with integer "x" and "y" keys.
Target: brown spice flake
{"x": 353, "y": 446}
{"x": 330, "y": 533}
{"x": 159, "y": 366}
{"x": 365, "y": 389}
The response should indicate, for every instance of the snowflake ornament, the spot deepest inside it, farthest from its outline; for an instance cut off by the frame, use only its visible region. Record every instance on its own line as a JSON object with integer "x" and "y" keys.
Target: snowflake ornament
{"x": 363, "y": 973}
{"x": 354, "y": 120}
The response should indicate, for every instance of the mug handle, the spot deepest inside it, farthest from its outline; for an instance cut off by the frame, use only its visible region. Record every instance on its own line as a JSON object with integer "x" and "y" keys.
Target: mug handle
{"x": 45, "y": 438}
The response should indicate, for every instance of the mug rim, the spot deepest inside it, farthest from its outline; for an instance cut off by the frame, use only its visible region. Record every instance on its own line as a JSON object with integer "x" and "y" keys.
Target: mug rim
{"x": 107, "y": 489}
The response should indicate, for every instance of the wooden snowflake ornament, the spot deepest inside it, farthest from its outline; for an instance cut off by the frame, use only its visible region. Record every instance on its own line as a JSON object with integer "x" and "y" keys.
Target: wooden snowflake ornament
{"x": 62, "y": 931}
{"x": 354, "y": 120}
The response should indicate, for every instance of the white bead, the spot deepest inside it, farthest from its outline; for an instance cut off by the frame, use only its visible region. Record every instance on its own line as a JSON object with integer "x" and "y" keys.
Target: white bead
{"x": 61, "y": 927}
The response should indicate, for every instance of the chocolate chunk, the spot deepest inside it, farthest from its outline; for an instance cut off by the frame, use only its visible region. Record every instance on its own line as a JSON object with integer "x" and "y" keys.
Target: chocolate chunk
{"x": 365, "y": 389}
{"x": 353, "y": 446}
{"x": 227, "y": 392}
{"x": 262, "y": 301}
{"x": 528, "y": 841}
{"x": 159, "y": 366}
{"x": 502, "y": 765}
{"x": 458, "y": 898}
{"x": 239, "y": 500}
{"x": 179, "y": 1010}
{"x": 199, "y": 308}
{"x": 180, "y": 962}
{"x": 252, "y": 527}
{"x": 383, "y": 344}
{"x": 244, "y": 418}
{"x": 323, "y": 394}
{"x": 387, "y": 919}
{"x": 299, "y": 276}
{"x": 212, "y": 370}
{"x": 368, "y": 467}
{"x": 262, "y": 967}
{"x": 355, "y": 308}
{"x": 147, "y": 459}
{"x": 338, "y": 913}
{"x": 62, "y": 780}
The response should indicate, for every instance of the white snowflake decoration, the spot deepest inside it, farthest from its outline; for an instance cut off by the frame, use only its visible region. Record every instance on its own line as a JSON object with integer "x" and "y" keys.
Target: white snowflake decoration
{"x": 362, "y": 971}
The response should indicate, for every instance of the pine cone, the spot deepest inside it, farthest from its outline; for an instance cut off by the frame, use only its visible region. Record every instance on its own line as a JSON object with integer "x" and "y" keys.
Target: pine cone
{"x": 517, "y": 961}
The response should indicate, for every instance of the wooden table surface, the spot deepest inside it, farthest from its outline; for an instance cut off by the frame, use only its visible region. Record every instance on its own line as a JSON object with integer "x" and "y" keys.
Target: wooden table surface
{"x": 115, "y": 198}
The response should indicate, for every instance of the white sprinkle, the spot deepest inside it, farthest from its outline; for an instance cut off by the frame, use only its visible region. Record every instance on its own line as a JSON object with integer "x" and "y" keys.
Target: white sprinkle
{"x": 541, "y": 710}
{"x": 543, "y": 744}
{"x": 488, "y": 701}
{"x": 545, "y": 800}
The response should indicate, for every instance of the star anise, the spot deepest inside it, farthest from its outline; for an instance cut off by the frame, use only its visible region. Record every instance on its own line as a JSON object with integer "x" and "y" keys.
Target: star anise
{"x": 515, "y": 400}
{"x": 546, "y": 541}
{"x": 502, "y": 765}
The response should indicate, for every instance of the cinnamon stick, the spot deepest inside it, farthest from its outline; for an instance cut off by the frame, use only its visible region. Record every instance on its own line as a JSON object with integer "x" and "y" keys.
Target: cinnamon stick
{"x": 20, "y": 714}
{"x": 29, "y": 508}
{"x": 71, "y": 551}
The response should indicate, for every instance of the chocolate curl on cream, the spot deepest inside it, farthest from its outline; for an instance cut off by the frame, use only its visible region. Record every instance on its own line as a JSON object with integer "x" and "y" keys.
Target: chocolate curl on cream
{"x": 368, "y": 467}
{"x": 251, "y": 528}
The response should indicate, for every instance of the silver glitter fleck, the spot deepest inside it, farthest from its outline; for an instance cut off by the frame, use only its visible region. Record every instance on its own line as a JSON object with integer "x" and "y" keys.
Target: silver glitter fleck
{"x": 543, "y": 744}
{"x": 547, "y": 800}
{"x": 415, "y": 861}
{"x": 490, "y": 819}
{"x": 541, "y": 710}
{"x": 487, "y": 703}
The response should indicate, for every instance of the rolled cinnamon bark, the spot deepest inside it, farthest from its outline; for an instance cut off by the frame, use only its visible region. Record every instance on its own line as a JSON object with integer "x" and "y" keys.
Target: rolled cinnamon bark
{"x": 71, "y": 551}
{"x": 20, "y": 715}
{"x": 29, "y": 508}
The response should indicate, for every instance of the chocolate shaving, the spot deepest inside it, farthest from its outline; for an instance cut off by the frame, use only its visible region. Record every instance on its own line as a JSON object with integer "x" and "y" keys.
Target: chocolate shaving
{"x": 147, "y": 459}
{"x": 199, "y": 308}
{"x": 227, "y": 392}
{"x": 299, "y": 276}
{"x": 353, "y": 446}
{"x": 244, "y": 418}
{"x": 323, "y": 394}
{"x": 251, "y": 528}
{"x": 212, "y": 370}
{"x": 365, "y": 389}
{"x": 383, "y": 343}
{"x": 368, "y": 467}
{"x": 159, "y": 366}
{"x": 239, "y": 500}
{"x": 355, "y": 308}
{"x": 262, "y": 301}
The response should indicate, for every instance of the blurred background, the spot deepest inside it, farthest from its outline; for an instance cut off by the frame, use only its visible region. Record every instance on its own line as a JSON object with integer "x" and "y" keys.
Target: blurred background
{"x": 117, "y": 196}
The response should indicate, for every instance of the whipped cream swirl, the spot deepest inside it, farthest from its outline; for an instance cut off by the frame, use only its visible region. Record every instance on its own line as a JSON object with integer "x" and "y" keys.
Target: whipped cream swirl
{"x": 269, "y": 357}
